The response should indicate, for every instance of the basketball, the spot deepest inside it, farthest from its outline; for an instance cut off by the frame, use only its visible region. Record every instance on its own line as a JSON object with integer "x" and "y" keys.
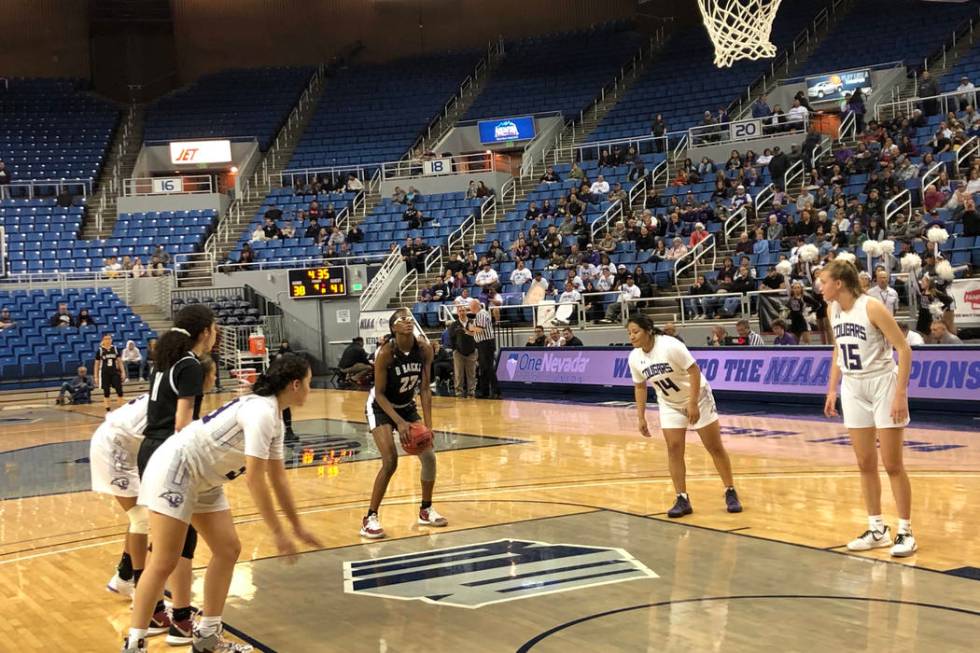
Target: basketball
{"x": 419, "y": 439}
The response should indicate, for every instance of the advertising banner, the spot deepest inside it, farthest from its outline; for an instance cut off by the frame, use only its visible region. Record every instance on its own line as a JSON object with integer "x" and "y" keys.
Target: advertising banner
{"x": 836, "y": 86}
{"x": 966, "y": 292}
{"x": 937, "y": 372}
{"x": 188, "y": 152}
{"x": 506, "y": 130}
{"x": 167, "y": 185}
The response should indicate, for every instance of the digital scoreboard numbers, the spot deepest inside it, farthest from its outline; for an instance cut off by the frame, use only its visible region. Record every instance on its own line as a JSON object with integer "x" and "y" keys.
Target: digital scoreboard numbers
{"x": 321, "y": 282}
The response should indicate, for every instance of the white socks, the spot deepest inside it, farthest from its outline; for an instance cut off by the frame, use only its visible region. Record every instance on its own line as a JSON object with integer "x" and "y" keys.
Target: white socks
{"x": 208, "y": 626}
{"x": 136, "y": 634}
{"x": 876, "y": 523}
{"x": 905, "y": 526}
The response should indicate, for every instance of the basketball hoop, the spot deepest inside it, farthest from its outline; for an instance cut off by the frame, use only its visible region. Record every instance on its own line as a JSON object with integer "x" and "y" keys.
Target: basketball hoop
{"x": 739, "y": 29}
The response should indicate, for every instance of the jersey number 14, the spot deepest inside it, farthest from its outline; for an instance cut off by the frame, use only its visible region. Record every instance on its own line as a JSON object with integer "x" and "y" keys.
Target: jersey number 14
{"x": 666, "y": 385}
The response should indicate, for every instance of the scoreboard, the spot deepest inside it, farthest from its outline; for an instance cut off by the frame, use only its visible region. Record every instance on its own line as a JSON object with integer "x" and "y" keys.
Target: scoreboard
{"x": 310, "y": 283}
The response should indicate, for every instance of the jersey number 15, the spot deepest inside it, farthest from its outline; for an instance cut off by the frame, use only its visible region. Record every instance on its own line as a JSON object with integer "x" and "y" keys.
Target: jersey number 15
{"x": 851, "y": 356}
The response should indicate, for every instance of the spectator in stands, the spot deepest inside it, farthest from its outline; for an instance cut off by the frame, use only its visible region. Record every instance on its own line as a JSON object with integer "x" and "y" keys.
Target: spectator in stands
{"x": 628, "y": 291}
{"x": 550, "y": 176}
{"x": 313, "y": 229}
{"x": 127, "y": 266}
{"x": 694, "y": 306}
{"x": 273, "y": 213}
{"x": 571, "y": 340}
{"x": 698, "y": 235}
{"x": 744, "y": 330}
{"x": 741, "y": 198}
{"x": 761, "y": 108}
{"x": 520, "y": 275}
{"x": 482, "y": 190}
{"x": 413, "y": 216}
{"x": 132, "y": 358}
{"x": 487, "y": 277}
{"x": 929, "y": 89}
{"x": 79, "y": 390}
{"x": 112, "y": 267}
{"x": 774, "y": 280}
{"x": 354, "y": 362}
{"x": 570, "y": 295}
{"x": 677, "y": 250}
{"x": 4, "y": 174}
{"x": 137, "y": 270}
{"x": 617, "y": 194}
{"x": 532, "y": 211}
{"x": 246, "y": 257}
{"x": 6, "y": 321}
{"x": 638, "y": 171}
{"x": 354, "y": 184}
{"x": 58, "y": 319}
{"x": 718, "y": 336}
{"x": 271, "y": 229}
{"x": 883, "y": 292}
{"x": 337, "y": 237}
{"x": 537, "y": 338}
{"x": 599, "y": 187}
{"x": 774, "y": 231}
{"x": 912, "y": 337}
{"x": 778, "y": 166}
{"x": 84, "y": 318}
{"x": 398, "y": 195}
{"x": 258, "y": 235}
{"x": 288, "y": 231}
{"x": 744, "y": 245}
{"x": 939, "y": 335}
{"x": 783, "y": 337}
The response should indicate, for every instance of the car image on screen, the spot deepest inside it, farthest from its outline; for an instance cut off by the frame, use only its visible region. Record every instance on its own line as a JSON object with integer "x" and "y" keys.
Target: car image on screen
{"x": 831, "y": 86}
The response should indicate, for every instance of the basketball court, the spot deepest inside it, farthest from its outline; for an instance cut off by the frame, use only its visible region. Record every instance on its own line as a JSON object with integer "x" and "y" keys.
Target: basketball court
{"x": 558, "y": 538}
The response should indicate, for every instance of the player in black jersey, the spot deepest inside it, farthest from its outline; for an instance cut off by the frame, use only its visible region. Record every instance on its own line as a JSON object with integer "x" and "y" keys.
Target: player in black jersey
{"x": 176, "y": 393}
{"x": 401, "y": 370}
{"x": 108, "y": 371}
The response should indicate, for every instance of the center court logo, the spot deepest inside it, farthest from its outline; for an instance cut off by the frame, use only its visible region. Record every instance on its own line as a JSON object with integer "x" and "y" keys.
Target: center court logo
{"x": 475, "y": 575}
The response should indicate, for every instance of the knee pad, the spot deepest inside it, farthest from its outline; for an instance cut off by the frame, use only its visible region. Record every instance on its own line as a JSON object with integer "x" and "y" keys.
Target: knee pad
{"x": 428, "y": 460}
{"x": 190, "y": 544}
{"x": 139, "y": 520}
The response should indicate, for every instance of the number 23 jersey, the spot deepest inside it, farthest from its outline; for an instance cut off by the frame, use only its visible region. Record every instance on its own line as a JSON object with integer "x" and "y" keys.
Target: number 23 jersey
{"x": 665, "y": 368}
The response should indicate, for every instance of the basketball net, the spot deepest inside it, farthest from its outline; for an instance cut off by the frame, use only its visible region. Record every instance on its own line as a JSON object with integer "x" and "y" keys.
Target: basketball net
{"x": 739, "y": 29}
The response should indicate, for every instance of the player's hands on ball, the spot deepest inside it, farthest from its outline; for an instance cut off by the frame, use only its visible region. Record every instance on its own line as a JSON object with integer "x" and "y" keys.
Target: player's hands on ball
{"x": 644, "y": 429}
{"x": 900, "y": 408}
{"x": 830, "y": 405}
{"x": 693, "y": 412}
{"x": 403, "y": 435}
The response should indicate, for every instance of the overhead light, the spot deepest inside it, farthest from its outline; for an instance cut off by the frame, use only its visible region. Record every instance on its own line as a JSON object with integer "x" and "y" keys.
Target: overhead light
{"x": 234, "y": 170}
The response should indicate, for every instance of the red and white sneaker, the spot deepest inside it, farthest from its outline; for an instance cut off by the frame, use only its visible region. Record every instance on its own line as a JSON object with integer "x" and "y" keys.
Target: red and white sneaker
{"x": 160, "y": 623}
{"x": 371, "y": 528}
{"x": 429, "y": 517}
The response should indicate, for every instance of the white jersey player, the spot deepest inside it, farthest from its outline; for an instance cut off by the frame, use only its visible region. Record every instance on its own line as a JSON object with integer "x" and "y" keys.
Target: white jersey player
{"x": 874, "y": 399}
{"x": 184, "y": 481}
{"x": 685, "y": 402}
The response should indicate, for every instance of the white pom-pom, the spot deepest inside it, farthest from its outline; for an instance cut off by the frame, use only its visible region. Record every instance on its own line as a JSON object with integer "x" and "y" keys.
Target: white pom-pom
{"x": 936, "y": 309}
{"x": 886, "y": 247}
{"x": 808, "y": 253}
{"x": 937, "y": 235}
{"x": 944, "y": 270}
{"x": 784, "y": 268}
{"x": 846, "y": 256}
{"x": 871, "y": 247}
{"x": 911, "y": 262}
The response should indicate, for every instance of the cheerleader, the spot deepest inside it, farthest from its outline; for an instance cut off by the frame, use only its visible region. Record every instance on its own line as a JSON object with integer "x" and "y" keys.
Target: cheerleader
{"x": 874, "y": 399}
{"x": 112, "y": 456}
{"x": 685, "y": 402}
{"x": 800, "y": 305}
{"x": 109, "y": 371}
{"x": 184, "y": 483}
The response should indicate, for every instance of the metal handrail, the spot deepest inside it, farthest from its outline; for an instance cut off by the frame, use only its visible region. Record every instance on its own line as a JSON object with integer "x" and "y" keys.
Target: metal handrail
{"x": 411, "y": 168}
{"x": 736, "y": 221}
{"x": 637, "y": 141}
{"x": 695, "y": 254}
{"x": 968, "y": 150}
{"x": 410, "y": 280}
{"x": 318, "y": 259}
{"x": 387, "y": 269}
{"x": 140, "y": 186}
{"x": 458, "y": 237}
{"x": 602, "y": 222}
{"x": 765, "y": 196}
{"x": 509, "y": 186}
{"x": 699, "y": 134}
{"x": 31, "y": 184}
{"x": 900, "y": 203}
{"x": 822, "y": 149}
{"x": 908, "y": 104}
{"x": 932, "y": 174}
{"x": 795, "y": 175}
{"x": 660, "y": 171}
{"x": 638, "y": 190}
{"x": 848, "y": 127}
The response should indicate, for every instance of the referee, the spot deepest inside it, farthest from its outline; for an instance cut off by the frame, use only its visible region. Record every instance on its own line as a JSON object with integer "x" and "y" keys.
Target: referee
{"x": 486, "y": 347}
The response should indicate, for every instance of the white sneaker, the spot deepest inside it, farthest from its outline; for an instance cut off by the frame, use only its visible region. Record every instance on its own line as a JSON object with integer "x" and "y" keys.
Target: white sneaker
{"x": 136, "y": 647}
{"x": 904, "y": 545}
{"x": 870, "y": 539}
{"x": 121, "y": 587}
{"x": 371, "y": 528}
{"x": 429, "y": 517}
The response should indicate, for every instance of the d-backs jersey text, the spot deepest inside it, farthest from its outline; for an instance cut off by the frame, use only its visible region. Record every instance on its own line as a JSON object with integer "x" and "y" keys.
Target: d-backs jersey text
{"x": 404, "y": 375}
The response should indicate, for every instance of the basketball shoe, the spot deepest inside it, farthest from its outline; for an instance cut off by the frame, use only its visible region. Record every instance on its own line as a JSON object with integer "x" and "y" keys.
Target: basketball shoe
{"x": 429, "y": 517}
{"x": 215, "y": 643}
{"x": 160, "y": 622}
{"x": 180, "y": 633}
{"x": 138, "y": 647}
{"x": 371, "y": 528}
{"x": 681, "y": 507}
{"x": 731, "y": 500}
{"x": 117, "y": 585}
{"x": 904, "y": 545}
{"x": 871, "y": 539}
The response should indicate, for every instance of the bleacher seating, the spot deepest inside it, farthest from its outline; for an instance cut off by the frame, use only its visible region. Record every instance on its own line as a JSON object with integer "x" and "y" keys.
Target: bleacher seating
{"x": 43, "y": 237}
{"x": 373, "y": 113}
{"x": 385, "y": 226}
{"x": 289, "y": 249}
{"x": 51, "y": 129}
{"x": 851, "y": 44}
{"x": 246, "y": 102}
{"x": 32, "y": 350}
{"x": 230, "y": 308}
{"x": 683, "y": 81}
{"x": 562, "y": 72}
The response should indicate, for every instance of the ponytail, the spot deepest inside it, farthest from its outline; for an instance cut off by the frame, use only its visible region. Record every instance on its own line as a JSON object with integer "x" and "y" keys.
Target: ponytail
{"x": 283, "y": 371}
{"x": 847, "y": 273}
{"x": 189, "y": 323}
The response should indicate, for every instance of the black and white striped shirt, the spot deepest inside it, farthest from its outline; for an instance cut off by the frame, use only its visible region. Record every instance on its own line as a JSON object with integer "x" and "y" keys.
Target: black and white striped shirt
{"x": 485, "y": 322}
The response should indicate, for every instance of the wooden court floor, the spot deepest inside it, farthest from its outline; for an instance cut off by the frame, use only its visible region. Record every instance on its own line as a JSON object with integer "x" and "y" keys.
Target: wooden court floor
{"x": 521, "y": 472}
